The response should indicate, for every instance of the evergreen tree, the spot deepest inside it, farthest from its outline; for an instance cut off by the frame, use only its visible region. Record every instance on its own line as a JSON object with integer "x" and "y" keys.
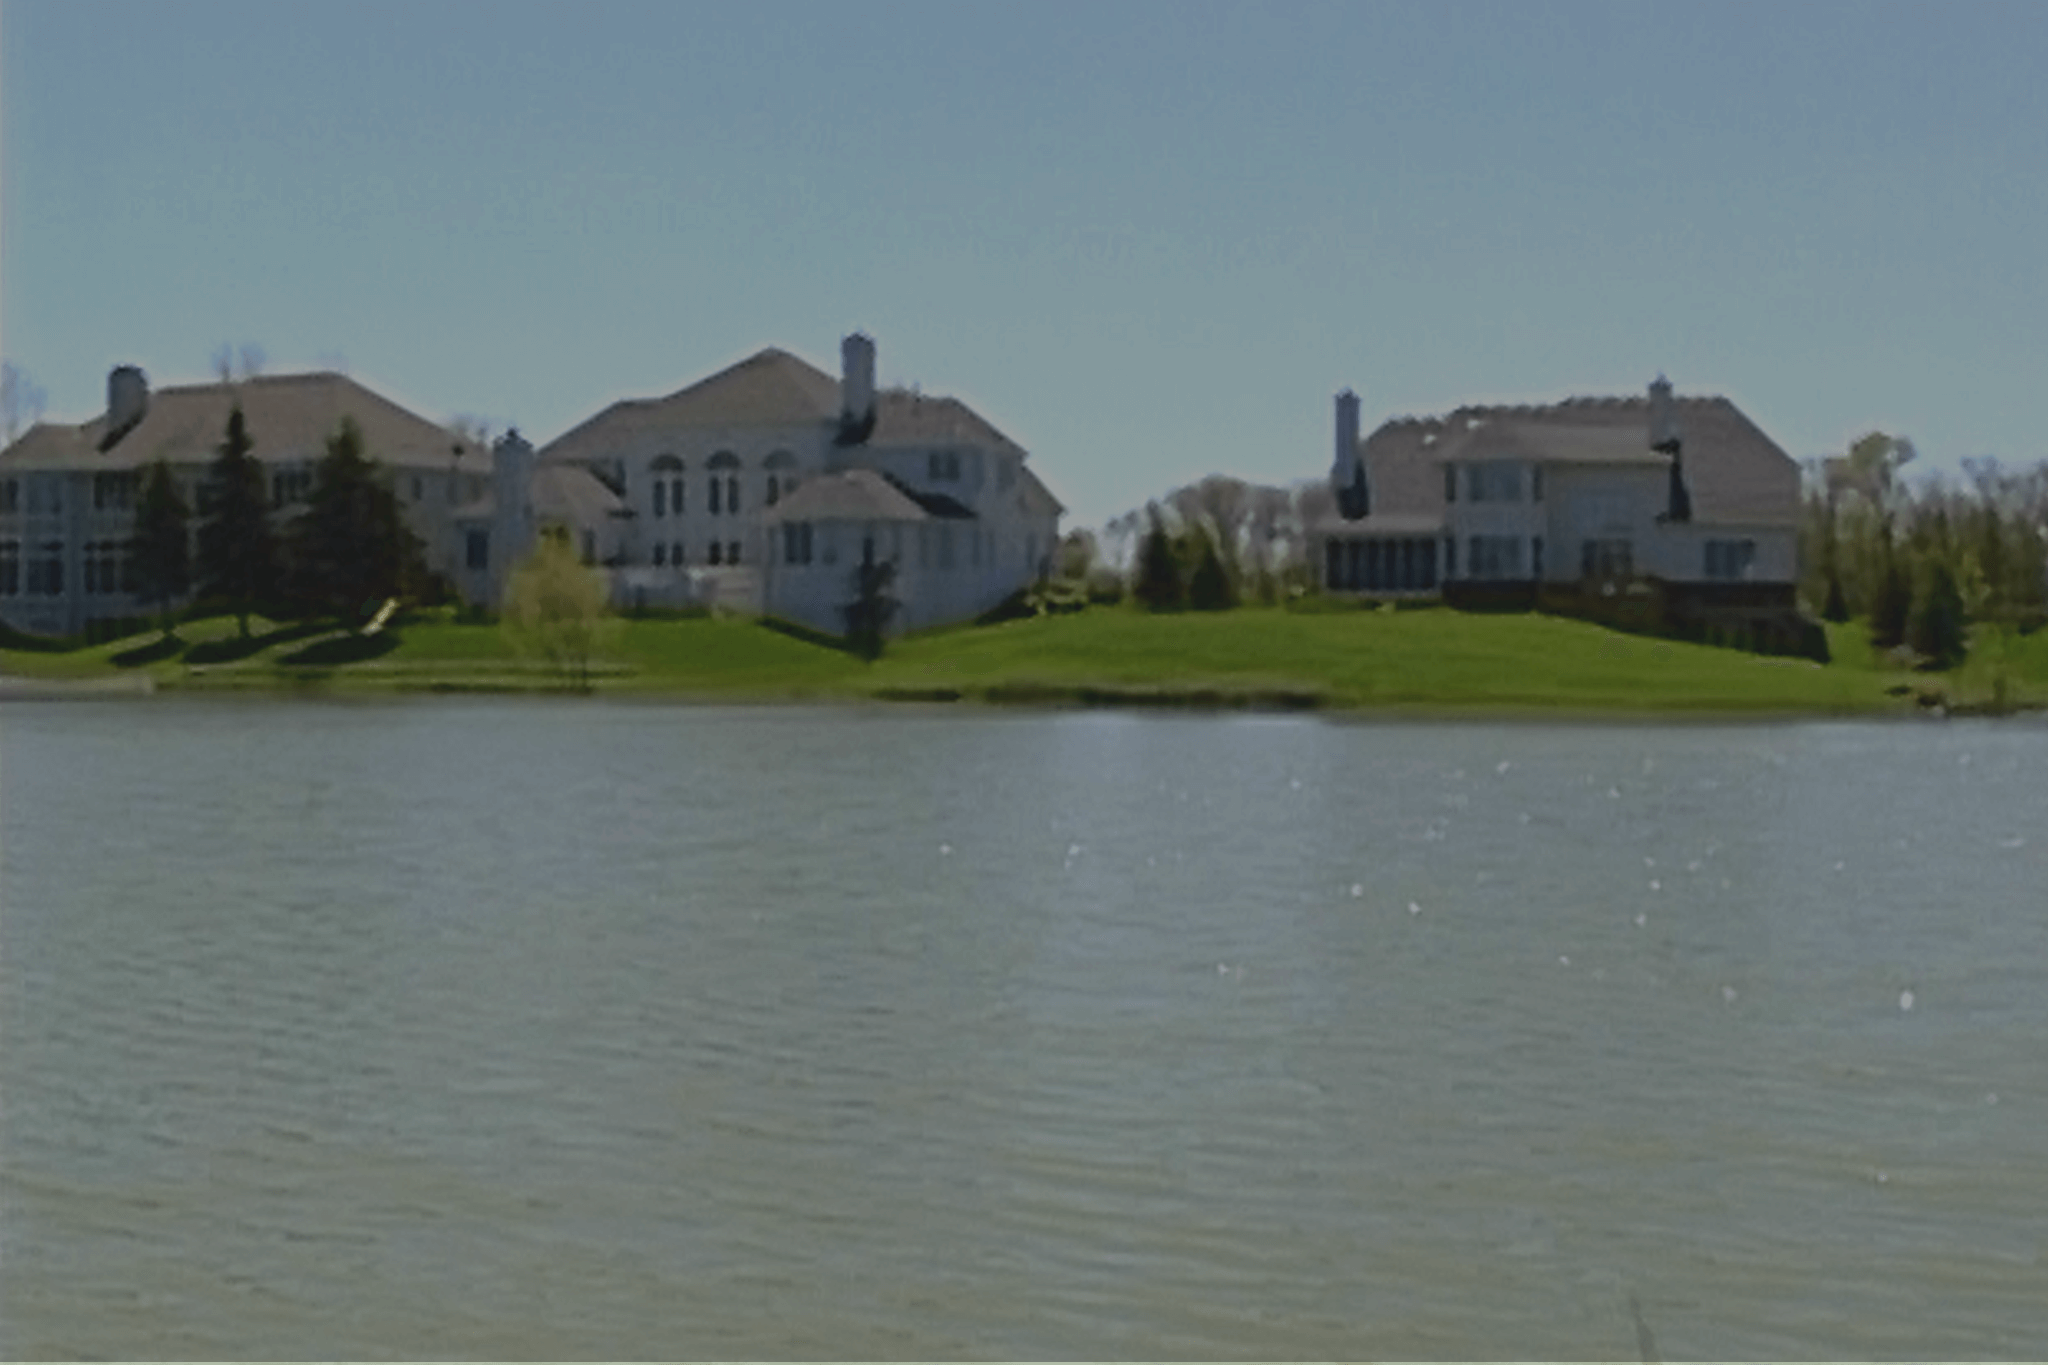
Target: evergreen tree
{"x": 1891, "y": 603}
{"x": 1209, "y": 587}
{"x": 351, "y": 548}
{"x": 1158, "y": 587}
{"x": 237, "y": 552}
{"x": 162, "y": 552}
{"x": 867, "y": 616}
{"x": 1936, "y": 630}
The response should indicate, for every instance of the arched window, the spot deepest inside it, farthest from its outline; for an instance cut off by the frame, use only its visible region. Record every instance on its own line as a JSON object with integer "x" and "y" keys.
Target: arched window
{"x": 781, "y": 467}
{"x": 725, "y": 492}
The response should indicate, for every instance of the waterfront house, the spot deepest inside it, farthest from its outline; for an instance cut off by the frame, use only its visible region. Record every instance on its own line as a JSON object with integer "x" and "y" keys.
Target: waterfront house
{"x": 761, "y": 488}
{"x": 68, "y": 493}
{"x": 1657, "y": 511}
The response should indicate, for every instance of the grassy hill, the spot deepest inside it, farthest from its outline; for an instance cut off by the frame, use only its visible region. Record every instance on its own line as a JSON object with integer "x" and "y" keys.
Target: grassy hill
{"x": 1409, "y": 661}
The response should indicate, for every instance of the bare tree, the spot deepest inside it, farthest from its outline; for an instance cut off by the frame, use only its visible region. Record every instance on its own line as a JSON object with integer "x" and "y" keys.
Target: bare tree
{"x": 233, "y": 364}
{"x": 21, "y": 401}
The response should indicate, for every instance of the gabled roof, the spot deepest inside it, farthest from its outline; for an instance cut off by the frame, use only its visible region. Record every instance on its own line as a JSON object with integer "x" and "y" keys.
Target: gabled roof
{"x": 906, "y": 417}
{"x": 769, "y": 388}
{"x": 850, "y": 495}
{"x": 1037, "y": 497}
{"x": 563, "y": 493}
{"x": 1734, "y": 473}
{"x": 290, "y": 417}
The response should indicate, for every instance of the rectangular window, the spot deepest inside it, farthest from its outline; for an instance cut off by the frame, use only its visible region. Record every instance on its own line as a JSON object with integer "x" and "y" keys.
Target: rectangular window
{"x": 10, "y": 568}
{"x": 53, "y": 568}
{"x": 675, "y": 496}
{"x": 1450, "y": 483}
{"x": 1498, "y": 558}
{"x": 716, "y": 484}
{"x": 732, "y": 494}
{"x": 660, "y": 498}
{"x": 660, "y": 552}
{"x": 477, "y": 550}
{"x": 1495, "y": 481}
{"x": 1609, "y": 558}
{"x": 10, "y": 496}
{"x": 1450, "y": 557}
{"x": 1536, "y": 558}
{"x": 732, "y": 552}
{"x": 1536, "y": 484}
{"x": 1729, "y": 561}
{"x": 419, "y": 489}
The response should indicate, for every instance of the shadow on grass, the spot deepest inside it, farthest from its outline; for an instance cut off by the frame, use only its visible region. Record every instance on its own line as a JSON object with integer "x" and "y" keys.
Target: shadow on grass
{"x": 157, "y": 650}
{"x": 807, "y": 635}
{"x": 235, "y": 648}
{"x": 337, "y": 650}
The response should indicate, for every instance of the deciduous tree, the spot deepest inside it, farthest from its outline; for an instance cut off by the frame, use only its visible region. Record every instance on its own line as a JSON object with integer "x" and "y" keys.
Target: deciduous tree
{"x": 557, "y": 608}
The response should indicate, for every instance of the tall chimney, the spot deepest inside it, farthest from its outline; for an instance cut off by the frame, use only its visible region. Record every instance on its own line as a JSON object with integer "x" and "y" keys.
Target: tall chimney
{"x": 512, "y": 528}
{"x": 856, "y": 389}
{"x": 1666, "y": 438}
{"x": 127, "y": 400}
{"x": 1664, "y": 433}
{"x": 1347, "y": 471}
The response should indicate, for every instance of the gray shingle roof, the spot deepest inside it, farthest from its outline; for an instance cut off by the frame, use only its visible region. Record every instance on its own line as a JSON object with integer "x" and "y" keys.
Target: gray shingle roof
{"x": 1734, "y": 472}
{"x": 906, "y": 418}
{"x": 851, "y": 495}
{"x": 768, "y": 388}
{"x": 290, "y": 417}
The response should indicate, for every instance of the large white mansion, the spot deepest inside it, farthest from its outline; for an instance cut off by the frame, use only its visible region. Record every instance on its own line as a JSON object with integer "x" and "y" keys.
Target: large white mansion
{"x": 762, "y": 487}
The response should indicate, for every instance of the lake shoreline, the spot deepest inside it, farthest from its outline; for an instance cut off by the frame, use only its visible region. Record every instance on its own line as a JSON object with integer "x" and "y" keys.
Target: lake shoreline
{"x": 1422, "y": 664}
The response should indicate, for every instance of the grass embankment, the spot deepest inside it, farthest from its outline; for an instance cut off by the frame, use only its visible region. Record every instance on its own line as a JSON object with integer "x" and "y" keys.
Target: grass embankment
{"x": 1410, "y": 661}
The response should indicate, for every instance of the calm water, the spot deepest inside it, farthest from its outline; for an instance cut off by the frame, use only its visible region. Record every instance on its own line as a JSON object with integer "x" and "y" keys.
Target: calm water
{"x": 574, "y": 1030}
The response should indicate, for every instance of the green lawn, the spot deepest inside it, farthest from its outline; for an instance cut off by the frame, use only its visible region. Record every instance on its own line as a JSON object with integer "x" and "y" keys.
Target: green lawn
{"x": 1416, "y": 661}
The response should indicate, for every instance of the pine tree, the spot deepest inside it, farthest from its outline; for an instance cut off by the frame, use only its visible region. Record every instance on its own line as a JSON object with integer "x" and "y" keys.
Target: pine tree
{"x": 867, "y": 616}
{"x": 162, "y": 551}
{"x": 1158, "y": 587}
{"x": 1936, "y": 631}
{"x": 238, "y": 560}
{"x": 1209, "y": 587}
{"x": 1892, "y": 601}
{"x": 351, "y": 548}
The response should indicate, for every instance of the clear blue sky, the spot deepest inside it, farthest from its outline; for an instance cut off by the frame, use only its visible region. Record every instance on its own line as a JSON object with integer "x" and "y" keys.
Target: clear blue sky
{"x": 1149, "y": 241}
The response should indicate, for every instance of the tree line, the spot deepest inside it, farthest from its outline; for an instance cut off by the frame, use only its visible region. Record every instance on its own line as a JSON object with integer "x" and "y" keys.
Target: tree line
{"x": 1923, "y": 561}
{"x": 1207, "y": 546}
{"x": 339, "y": 557}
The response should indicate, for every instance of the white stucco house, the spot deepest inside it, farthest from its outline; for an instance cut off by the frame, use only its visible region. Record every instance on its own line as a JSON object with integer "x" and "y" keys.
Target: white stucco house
{"x": 760, "y": 488}
{"x": 1682, "y": 506}
{"x": 68, "y": 492}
